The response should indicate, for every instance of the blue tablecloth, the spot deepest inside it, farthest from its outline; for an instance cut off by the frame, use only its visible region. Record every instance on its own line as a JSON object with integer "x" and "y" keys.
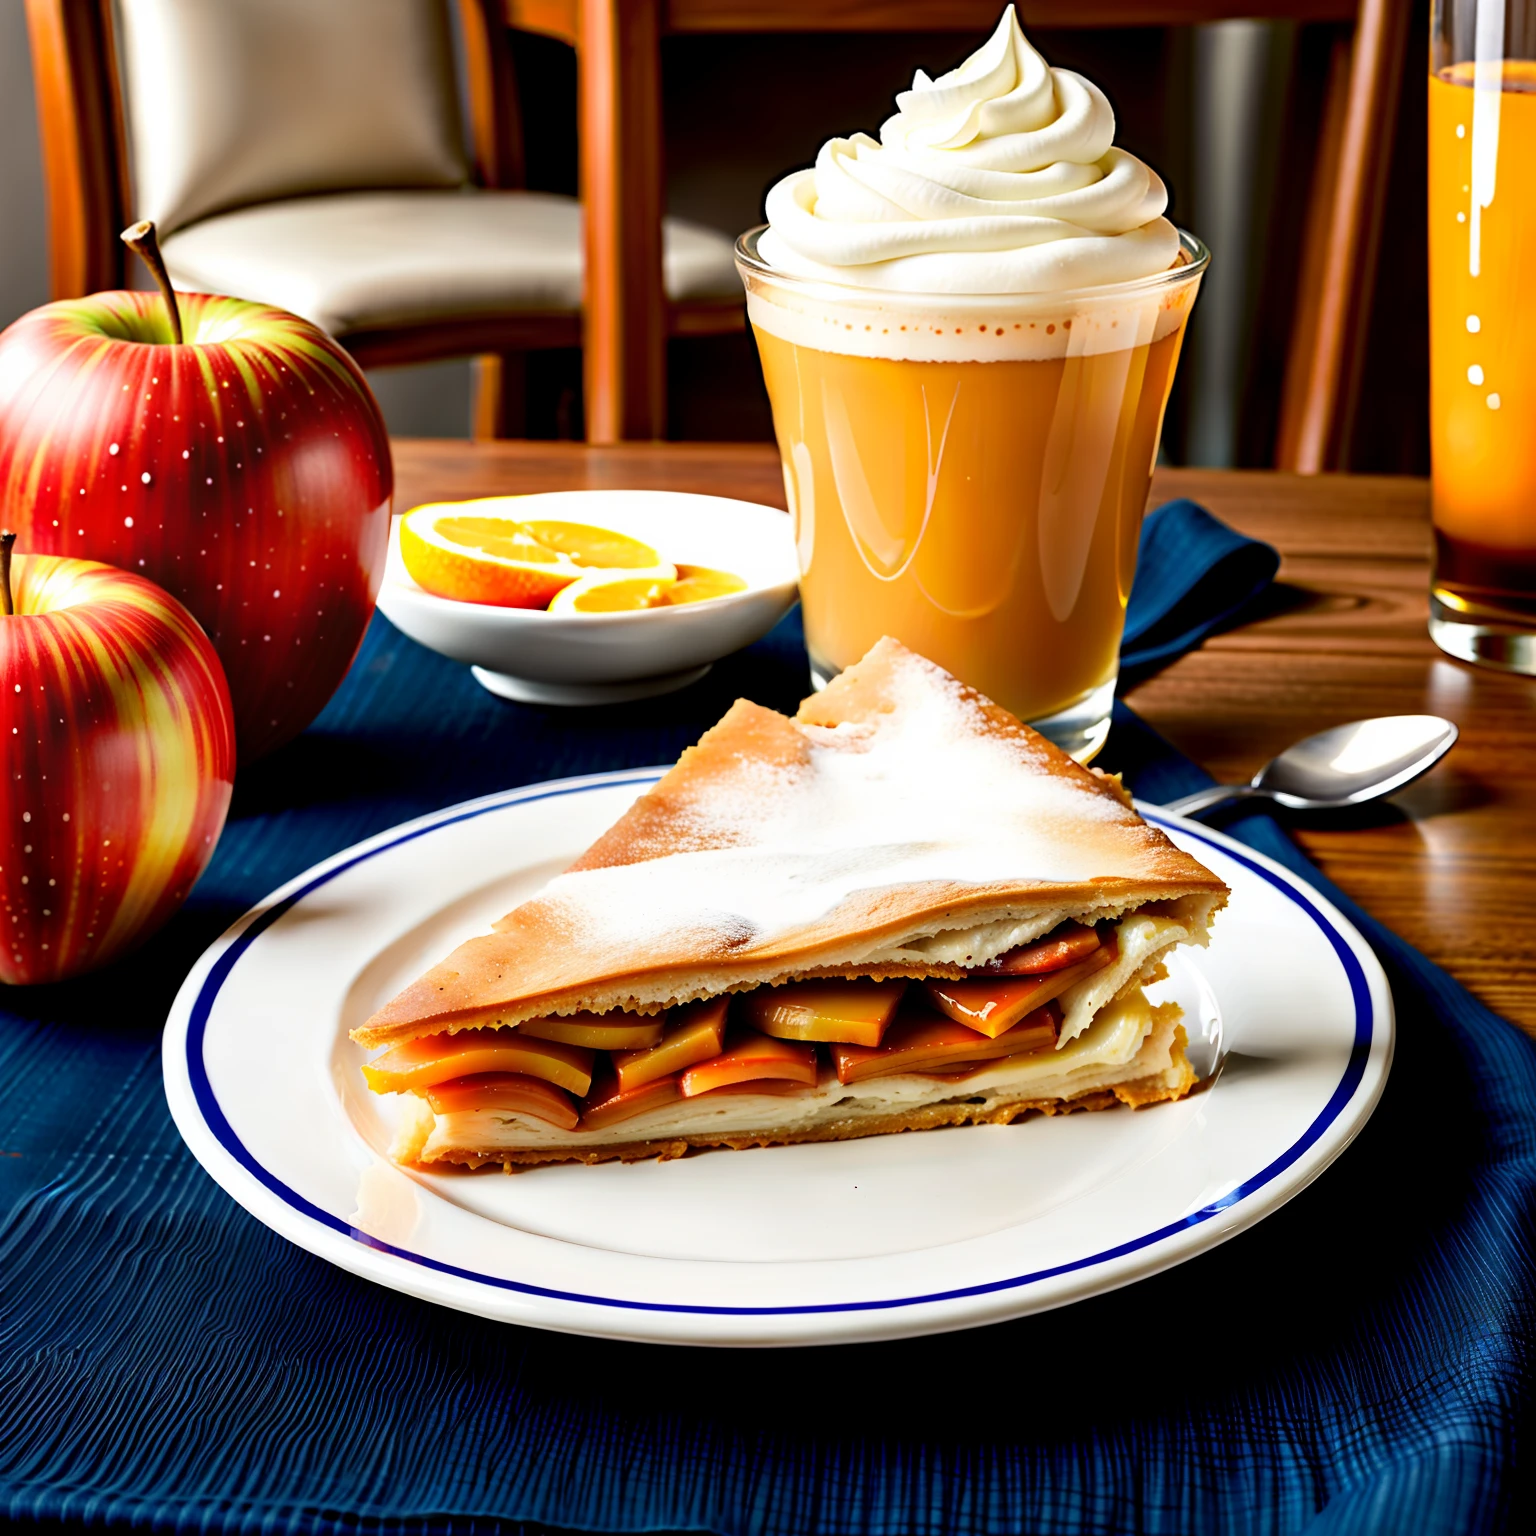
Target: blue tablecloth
{"x": 1361, "y": 1361}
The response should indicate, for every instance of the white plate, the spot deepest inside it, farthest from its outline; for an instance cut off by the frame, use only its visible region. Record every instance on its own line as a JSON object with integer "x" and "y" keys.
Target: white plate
{"x": 605, "y": 658}
{"x": 880, "y": 1238}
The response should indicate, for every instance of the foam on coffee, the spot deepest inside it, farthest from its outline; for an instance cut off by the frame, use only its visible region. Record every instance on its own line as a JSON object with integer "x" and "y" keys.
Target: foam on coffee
{"x": 955, "y": 328}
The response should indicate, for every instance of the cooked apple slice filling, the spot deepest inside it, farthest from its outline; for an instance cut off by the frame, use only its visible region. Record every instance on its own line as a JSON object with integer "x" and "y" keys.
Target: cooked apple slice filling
{"x": 857, "y": 1012}
{"x": 994, "y": 1004}
{"x": 749, "y": 1056}
{"x": 697, "y": 1033}
{"x": 926, "y": 1041}
{"x": 1062, "y": 947}
{"x": 507, "y": 1092}
{"x": 609, "y": 1103}
{"x": 597, "y": 1031}
{"x": 438, "y": 1059}
{"x": 582, "y": 1075}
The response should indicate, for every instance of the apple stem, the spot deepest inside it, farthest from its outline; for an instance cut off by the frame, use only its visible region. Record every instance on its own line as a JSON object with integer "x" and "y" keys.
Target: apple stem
{"x": 140, "y": 238}
{"x": 7, "y": 540}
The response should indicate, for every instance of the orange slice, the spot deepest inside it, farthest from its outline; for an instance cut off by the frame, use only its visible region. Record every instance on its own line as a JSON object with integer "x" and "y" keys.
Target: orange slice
{"x": 697, "y": 584}
{"x": 475, "y": 552}
{"x": 480, "y": 559}
{"x": 600, "y": 547}
{"x": 616, "y": 591}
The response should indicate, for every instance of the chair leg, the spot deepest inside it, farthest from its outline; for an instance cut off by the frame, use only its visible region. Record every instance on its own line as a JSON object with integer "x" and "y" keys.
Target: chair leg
{"x": 501, "y": 396}
{"x": 623, "y": 196}
{"x": 1341, "y": 244}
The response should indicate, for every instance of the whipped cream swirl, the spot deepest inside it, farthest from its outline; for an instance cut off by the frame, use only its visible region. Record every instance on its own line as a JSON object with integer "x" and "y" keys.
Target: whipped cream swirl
{"x": 999, "y": 177}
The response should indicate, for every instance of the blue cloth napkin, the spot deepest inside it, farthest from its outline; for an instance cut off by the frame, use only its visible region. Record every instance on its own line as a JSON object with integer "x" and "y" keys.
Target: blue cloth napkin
{"x": 1360, "y": 1361}
{"x": 1194, "y": 576}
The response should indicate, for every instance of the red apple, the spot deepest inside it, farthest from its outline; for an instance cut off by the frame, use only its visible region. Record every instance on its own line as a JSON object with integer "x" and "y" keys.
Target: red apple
{"x": 246, "y": 470}
{"x": 120, "y": 758}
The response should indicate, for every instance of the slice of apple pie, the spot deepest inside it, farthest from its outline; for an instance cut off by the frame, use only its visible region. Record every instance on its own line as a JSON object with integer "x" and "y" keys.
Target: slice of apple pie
{"x": 901, "y": 909}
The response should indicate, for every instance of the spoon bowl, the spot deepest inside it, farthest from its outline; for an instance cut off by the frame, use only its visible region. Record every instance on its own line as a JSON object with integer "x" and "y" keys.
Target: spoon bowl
{"x": 1347, "y": 765}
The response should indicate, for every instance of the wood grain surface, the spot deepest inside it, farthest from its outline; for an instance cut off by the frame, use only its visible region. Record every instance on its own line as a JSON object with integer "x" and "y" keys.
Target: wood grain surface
{"x": 1446, "y": 863}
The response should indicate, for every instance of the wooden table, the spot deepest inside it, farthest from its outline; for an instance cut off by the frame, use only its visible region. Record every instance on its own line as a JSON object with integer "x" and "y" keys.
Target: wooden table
{"x": 1446, "y": 863}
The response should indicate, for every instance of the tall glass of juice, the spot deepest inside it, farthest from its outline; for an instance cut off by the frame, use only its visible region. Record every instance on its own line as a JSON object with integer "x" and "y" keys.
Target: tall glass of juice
{"x": 968, "y": 329}
{"x": 1482, "y": 329}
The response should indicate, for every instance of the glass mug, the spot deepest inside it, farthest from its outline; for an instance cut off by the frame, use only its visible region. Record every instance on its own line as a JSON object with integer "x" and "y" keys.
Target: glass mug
{"x": 968, "y": 473}
{"x": 1482, "y": 330}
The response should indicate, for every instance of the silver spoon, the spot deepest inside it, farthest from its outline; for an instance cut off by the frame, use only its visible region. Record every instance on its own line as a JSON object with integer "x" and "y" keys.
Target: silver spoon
{"x": 1345, "y": 766}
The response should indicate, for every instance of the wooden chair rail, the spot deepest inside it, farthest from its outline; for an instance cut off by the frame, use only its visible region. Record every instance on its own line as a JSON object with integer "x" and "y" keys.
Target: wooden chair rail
{"x": 1343, "y": 235}
{"x": 496, "y": 131}
{"x": 706, "y": 317}
{"x": 622, "y": 194}
{"x": 561, "y": 18}
{"x": 469, "y": 336}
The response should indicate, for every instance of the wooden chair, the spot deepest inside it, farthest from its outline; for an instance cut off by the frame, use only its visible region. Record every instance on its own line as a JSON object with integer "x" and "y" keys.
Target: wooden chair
{"x": 618, "y": 43}
{"x": 421, "y": 254}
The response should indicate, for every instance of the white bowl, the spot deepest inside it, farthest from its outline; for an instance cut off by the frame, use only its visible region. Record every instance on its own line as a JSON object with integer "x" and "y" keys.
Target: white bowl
{"x": 536, "y": 657}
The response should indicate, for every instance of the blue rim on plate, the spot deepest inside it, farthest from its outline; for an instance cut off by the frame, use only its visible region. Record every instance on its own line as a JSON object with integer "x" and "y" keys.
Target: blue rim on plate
{"x": 219, "y": 1126}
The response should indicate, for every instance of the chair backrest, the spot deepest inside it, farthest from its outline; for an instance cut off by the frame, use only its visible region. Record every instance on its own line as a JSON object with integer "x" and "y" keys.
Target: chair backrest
{"x": 618, "y": 43}
{"x": 231, "y": 102}
{"x": 234, "y": 102}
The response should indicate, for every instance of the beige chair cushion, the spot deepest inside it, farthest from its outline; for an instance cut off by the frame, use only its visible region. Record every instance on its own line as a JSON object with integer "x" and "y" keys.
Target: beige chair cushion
{"x": 365, "y": 259}
{"x": 231, "y": 102}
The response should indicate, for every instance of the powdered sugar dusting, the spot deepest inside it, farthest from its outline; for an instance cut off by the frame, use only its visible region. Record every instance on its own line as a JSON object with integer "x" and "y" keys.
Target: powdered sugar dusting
{"x": 926, "y": 792}
{"x": 721, "y": 816}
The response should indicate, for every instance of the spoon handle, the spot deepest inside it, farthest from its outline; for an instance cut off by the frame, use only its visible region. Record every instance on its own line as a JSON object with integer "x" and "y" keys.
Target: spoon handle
{"x": 1205, "y": 799}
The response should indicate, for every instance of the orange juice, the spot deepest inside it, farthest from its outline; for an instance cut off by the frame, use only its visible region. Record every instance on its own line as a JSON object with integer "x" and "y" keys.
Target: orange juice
{"x": 1482, "y": 256}
{"x": 969, "y": 476}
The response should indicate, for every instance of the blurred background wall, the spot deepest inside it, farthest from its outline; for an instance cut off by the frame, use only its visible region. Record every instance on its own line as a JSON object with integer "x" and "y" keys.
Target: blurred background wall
{"x": 1226, "y": 113}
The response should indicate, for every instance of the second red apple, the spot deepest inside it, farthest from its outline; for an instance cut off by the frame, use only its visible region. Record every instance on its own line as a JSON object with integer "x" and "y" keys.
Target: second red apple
{"x": 246, "y": 471}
